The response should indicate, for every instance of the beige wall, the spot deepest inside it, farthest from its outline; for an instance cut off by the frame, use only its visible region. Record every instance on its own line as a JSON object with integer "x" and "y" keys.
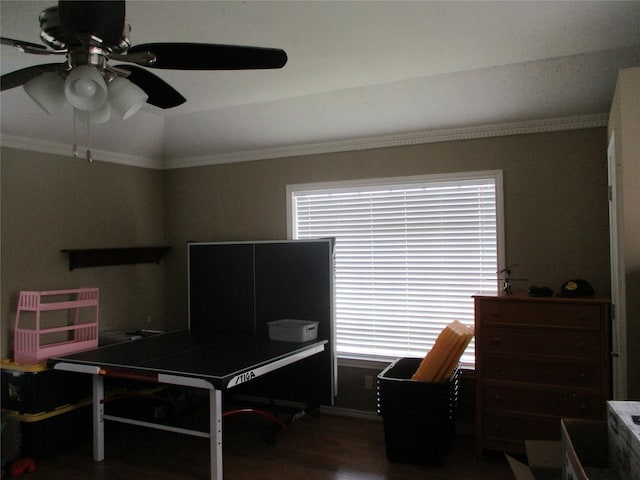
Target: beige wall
{"x": 50, "y": 203}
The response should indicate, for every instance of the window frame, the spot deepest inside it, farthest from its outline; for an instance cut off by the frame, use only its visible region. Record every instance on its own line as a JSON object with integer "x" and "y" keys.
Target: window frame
{"x": 362, "y": 184}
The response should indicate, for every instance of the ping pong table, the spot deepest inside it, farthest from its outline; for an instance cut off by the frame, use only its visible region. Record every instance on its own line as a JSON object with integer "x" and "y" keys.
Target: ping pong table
{"x": 214, "y": 363}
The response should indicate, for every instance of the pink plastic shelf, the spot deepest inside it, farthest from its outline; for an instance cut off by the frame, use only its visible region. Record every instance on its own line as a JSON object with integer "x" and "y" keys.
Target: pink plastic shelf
{"x": 29, "y": 345}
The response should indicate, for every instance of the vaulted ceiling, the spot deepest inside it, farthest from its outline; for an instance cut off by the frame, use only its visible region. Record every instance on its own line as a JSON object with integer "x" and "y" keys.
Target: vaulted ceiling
{"x": 356, "y": 70}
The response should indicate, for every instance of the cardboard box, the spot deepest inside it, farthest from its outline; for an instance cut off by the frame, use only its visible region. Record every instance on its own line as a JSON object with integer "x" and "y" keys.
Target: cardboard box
{"x": 584, "y": 450}
{"x": 624, "y": 439}
{"x": 544, "y": 461}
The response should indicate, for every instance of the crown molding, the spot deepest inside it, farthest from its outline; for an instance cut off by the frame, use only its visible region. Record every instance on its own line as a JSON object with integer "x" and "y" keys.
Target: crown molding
{"x": 432, "y": 136}
{"x": 66, "y": 150}
{"x": 387, "y": 141}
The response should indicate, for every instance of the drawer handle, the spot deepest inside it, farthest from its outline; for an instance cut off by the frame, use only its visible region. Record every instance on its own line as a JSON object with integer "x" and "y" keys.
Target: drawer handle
{"x": 497, "y": 340}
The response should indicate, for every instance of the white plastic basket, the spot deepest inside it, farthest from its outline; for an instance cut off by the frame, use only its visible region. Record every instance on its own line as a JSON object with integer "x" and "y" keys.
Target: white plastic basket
{"x": 288, "y": 330}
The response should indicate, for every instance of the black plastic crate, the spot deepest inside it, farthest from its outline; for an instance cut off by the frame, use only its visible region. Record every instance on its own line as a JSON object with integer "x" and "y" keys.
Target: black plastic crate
{"x": 419, "y": 417}
{"x": 51, "y": 433}
{"x": 31, "y": 389}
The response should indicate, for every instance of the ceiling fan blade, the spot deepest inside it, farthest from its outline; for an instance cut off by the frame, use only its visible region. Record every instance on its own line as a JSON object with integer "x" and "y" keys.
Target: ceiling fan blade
{"x": 161, "y": 94}
{"x": 202, "y": 56}
{"x": 20, "y": 77}
{"x": 102, "y": 19}
{"x": 25, "y": 46}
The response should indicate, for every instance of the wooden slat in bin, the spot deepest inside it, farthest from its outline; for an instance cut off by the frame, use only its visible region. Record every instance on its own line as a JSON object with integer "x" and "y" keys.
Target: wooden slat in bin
{"x": 440, "y": 362}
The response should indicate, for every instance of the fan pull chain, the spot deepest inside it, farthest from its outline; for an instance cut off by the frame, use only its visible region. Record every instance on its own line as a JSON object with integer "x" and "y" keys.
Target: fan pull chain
{"x": 76, "y": 154}
{"x": 75, "y": 144}
{"x": 88, "y": 154}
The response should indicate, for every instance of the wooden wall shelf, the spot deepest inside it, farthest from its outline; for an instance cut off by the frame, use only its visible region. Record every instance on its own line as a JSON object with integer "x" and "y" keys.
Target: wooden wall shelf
{"x": 99, "y": 257}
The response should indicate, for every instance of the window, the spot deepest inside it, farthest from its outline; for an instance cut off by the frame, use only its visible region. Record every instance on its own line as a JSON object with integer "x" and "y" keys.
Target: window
{"x": 410, "y": 252}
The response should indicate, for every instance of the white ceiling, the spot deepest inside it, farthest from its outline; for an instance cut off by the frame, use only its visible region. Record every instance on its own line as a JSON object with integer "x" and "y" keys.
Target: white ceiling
{"x": 356, "y": 70}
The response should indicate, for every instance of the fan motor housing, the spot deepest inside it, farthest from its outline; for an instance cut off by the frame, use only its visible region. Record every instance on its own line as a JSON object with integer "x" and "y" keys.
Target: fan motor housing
{"x": 60, "y": 37}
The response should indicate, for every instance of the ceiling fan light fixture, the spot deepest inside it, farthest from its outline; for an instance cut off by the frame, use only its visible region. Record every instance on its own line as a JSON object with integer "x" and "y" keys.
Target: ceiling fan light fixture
{"x": 97, "y": 116}
{"x": 47, "y": 91}
{"x": 85, "y": 88}
{"x": 125, "y": 97}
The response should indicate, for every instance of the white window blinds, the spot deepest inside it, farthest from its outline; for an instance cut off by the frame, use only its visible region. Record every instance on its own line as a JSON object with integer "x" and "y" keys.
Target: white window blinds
{"x": 410, "y": 253}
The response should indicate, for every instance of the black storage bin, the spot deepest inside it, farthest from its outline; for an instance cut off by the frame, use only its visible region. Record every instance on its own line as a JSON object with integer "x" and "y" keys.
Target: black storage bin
{"x": 31, "y": 389}
{"x": 51, "y": 433}
{"x": 419, "y": 417}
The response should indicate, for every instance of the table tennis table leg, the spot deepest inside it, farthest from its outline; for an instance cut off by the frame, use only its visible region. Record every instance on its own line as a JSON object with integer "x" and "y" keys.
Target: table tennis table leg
{"x": 98, "y": 418}
{"x": 215, "y": 432}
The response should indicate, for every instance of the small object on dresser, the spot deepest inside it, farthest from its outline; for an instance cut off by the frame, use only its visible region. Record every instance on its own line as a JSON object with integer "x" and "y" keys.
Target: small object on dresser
{"x": 576, "y": 288}
{"x": 540, "y": 291}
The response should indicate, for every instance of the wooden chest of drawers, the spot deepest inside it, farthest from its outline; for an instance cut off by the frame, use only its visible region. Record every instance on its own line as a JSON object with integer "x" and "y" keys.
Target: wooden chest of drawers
{"x": 538, "y": 360}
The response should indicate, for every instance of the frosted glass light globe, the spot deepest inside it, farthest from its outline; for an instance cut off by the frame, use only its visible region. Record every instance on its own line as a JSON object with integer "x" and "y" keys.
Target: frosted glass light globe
{"x": 85, "y": 88}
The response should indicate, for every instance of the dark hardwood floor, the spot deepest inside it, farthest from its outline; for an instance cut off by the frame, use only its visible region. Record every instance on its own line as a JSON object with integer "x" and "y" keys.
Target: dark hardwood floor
{"x": 326, "y": 447}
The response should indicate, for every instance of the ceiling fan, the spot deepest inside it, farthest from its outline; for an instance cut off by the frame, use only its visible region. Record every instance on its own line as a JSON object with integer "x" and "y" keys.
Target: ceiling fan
{"x": 91, "y": 34}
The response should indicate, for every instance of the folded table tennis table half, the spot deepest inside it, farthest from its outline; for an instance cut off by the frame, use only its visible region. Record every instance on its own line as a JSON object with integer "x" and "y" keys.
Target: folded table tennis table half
{"x": 214, "y": 363}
